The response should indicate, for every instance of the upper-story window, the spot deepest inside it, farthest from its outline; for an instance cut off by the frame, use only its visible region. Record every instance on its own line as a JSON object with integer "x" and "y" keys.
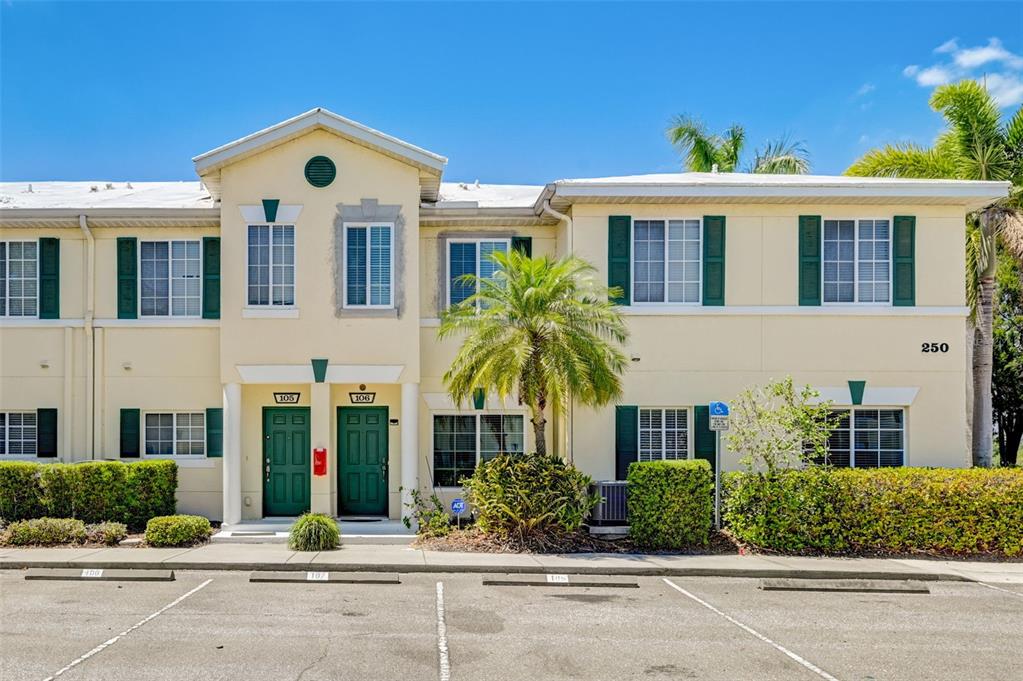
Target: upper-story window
{"x": 19, "y": 278}
{"x": 171, "y": 279}
{"x": 369, "y": 265}
{"x": 857, "y": 261}
{"x": 271, "y": 265}
{"x": 666, "y": 261}
{"x": 471, "y": 256}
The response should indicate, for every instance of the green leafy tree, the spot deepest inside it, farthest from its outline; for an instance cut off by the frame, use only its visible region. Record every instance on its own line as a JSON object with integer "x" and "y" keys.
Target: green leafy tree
{"x": 702, "y": 150}
{"x": 977, "y": 145}
{"x": 1007, "y": 377}
{"x": 776, "y": 426}
{"x": 541, "y": 328}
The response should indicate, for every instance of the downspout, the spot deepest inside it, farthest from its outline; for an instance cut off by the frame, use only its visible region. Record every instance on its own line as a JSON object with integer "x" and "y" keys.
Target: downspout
{"x": 90, "y": 359}
{"x": 547, "y": 210}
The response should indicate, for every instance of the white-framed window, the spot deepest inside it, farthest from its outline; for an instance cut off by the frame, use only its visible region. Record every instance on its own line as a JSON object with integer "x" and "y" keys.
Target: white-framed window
{"x": 19, "y": 278}
{"x": 868, "y": 438}
{"x": 369, "y": 265}
{"x": 271, "y": 265}
{"x": 857, "y": 261}
{"x": 170, "y": 278}
{"x": 471, "y": 256}
{"x": 666, "y": 261}
{"x": 175, "y": 433}
{"x": 663, "y": 434}
{"x": 460, "y": 441}
{"x": 18, "y": 433}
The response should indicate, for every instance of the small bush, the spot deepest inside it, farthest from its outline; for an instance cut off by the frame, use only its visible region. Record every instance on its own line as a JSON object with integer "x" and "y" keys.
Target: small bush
{"x": 890, "y": 510}
{"x": 430, "y": 517}
{"x": 45, "y": 532}
{"x": 110, "y": 534}
{"x": 20, "y": 493}
{"x": 527, "y": 496}
{"x": 314, "y": 532}
{"x": 670, "y": 503}
{"x": 177, "y": 530}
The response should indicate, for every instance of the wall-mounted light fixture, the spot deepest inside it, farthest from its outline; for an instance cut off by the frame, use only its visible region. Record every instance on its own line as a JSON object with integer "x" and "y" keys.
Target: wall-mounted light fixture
{"x": 126, "y": 366}
{"x": 635, "y": 359}
{"x": 44, "y": 364}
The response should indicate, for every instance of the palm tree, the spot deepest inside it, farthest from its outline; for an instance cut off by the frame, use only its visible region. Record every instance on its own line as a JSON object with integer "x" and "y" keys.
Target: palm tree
{"x": 976, "y": 146}
{"x": 542, "y": 328}
{"x": 702, "y": 150}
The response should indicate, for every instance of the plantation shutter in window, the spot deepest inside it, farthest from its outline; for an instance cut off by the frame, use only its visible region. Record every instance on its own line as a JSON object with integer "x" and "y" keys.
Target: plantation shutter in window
{"x": 49, "y": 278}
{"x": 809, "y": 260}
{"x": 903, "y": 251}
{"x": 46, "y": 432}
{"x": 215, "y": 432}
{"x": 127, "y": 278}
{"x": 131, "y": 434}
{"x": 523, "y": 244}
{"x": 703, "y": 436}
{"x": 626, "y": 439}
{"x": 211, "y": 277}
{"x": 619, "y": 247}
{"x": 713, "y": 260}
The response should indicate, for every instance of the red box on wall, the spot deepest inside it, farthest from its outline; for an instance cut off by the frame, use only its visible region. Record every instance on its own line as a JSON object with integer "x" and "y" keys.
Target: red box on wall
{"x": 319, "y": 461}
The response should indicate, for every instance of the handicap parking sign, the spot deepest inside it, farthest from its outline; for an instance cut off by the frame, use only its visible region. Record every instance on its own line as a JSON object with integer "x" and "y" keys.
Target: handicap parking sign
{"x": 457, "y": 505}
{"x": 718, "y": 409}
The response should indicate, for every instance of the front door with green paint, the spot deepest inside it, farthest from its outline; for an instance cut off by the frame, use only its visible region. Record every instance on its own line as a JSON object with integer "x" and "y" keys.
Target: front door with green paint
{"x": 285, "y": 461}
{"x": 362, "y": 451}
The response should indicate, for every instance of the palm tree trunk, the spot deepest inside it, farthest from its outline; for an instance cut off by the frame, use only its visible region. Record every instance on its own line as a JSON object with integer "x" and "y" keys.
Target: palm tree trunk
{"x": 983, "y": 347}
{"x": 539, "y": 426}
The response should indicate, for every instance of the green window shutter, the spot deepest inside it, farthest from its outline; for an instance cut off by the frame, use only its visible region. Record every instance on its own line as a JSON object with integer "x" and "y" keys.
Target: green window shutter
{"x": 46, "y": 432}
{"x": 49, "y": 278}
{"x": 127, "y": 278}
{"x": 703, "y": 436}
{"x": 523, "y": 244}
{"x": 809, "y": 260}
{"x": 215, "y": 432}
{"x": 131, "y": 433}
{"x": 714, "y": 260}
{"x": 211, "y": 277}
{"x": 904, "y": 252}
{"x": 626, "y": 439}
{"x": 619, "y": 249}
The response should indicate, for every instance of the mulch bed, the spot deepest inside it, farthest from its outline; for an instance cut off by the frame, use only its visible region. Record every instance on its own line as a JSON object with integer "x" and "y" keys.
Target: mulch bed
{"x": 473, "y": 541}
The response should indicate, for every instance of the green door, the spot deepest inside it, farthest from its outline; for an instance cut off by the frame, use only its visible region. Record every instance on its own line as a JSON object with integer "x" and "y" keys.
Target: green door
{"x": 362, "y": 448}
{"x": 285, "y": 461}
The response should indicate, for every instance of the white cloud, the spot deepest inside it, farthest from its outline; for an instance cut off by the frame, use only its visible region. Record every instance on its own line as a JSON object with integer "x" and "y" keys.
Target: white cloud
{"x": 992, "y": 63}
{"x": 865, "y": 89}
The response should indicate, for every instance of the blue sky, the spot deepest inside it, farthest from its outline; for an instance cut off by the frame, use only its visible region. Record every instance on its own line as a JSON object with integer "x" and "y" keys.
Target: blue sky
{"x": 526, "y": 92}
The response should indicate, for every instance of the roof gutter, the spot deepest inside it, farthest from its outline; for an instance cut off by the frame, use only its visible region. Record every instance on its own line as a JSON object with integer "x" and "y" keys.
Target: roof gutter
{"x": 90, "y": 341}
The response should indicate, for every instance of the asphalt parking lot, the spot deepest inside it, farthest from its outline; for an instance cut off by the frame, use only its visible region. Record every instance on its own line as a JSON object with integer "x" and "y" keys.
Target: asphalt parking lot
{"x": 218, "y": 625}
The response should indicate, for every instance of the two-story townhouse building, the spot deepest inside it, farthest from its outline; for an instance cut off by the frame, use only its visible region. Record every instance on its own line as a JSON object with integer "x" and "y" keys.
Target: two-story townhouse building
{"x": 272, "y": 327}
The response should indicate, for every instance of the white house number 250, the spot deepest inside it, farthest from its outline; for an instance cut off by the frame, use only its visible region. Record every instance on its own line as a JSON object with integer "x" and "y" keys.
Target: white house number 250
{"x": 934, "y": 347}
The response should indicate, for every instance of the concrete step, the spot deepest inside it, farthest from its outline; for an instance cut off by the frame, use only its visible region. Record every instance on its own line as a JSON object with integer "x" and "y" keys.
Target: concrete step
{"x": 230, "y": 537}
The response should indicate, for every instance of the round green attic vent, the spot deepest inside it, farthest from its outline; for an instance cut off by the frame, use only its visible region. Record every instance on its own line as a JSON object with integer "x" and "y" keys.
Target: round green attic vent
{"x": 320, "y": 171}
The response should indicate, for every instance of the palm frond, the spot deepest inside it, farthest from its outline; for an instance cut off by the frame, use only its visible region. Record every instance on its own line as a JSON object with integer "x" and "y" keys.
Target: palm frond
{"x": 731, "y": 148}
{"x": 905, "y": 160}
{"x": 698, "y": 149}
{"x": 975, "y": 120}
{"x": 781, "y": 157}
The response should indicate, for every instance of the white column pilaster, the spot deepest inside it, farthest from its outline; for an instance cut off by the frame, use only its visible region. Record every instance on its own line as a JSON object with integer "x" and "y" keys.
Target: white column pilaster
{"x": 409, "y": 443}
{"x": 233, "y": 453}
{"x": 319, "y": 433}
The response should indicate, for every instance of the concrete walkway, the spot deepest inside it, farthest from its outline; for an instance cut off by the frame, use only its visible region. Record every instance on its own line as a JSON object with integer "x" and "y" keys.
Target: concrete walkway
{"x": 407, "y": 559}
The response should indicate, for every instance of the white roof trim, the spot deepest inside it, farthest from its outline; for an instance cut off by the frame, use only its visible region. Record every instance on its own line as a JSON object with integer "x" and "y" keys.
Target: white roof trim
{"x": 318, "y": 118}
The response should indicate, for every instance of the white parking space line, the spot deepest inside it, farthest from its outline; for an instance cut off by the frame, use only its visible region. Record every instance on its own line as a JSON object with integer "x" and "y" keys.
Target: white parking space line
{"x": 806, "y": 663}
{"x": 442, "y": 637}
{"x": 998, "y": 588}
{"x": 115, "y": 639}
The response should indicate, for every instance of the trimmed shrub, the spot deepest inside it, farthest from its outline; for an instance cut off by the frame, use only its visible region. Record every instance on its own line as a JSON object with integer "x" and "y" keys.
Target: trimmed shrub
{"x": 93, "y": 491}
{"x": 314, "y": 532}
{"x": 177, "y": 530}
{"x": 110, "y": 534}
{"x": 670, "y": 503}
{"x": 529, "y": 495}
{"x": 20, "y": 493}
{"x": 889, "y": 510}
{"x": 45, "y": 532}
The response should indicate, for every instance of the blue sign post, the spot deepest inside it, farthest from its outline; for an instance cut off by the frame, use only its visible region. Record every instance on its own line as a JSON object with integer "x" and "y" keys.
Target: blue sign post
{"x": 458, "y": 507}
{"x": 718, "y": 421}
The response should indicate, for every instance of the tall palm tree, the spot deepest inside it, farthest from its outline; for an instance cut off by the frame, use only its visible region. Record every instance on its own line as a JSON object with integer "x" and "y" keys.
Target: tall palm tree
{"x": 702, "y": 150}
{"x": 542, "y": 328}
{"x": 976, "y": 146}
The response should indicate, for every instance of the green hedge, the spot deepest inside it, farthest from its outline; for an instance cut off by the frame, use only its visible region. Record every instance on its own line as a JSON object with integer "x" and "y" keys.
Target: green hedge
{"x": 45, "y": 532}
{"x": 670, "y": 503}
{"x": 94, "y": 491}
{"x": 177, "y": 530}
{"x": 891, "y": 510}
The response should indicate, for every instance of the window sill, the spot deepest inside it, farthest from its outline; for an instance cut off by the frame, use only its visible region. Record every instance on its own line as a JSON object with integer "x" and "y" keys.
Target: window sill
{"x": 183, "y": 462}
{"x": 270, "y": 312}
{"x": 369, "y": 312}
{"x": 159, "y": 322}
